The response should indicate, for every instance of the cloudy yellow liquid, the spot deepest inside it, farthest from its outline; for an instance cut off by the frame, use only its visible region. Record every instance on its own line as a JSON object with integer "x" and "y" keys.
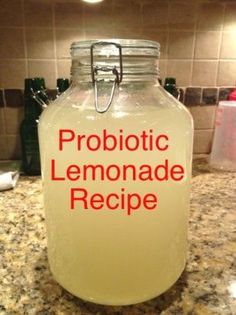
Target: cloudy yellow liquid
{"x": 106, "y": 256}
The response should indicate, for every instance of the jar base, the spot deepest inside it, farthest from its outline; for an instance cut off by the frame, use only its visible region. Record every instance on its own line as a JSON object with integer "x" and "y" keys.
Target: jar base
{"x": 122, "y": 303}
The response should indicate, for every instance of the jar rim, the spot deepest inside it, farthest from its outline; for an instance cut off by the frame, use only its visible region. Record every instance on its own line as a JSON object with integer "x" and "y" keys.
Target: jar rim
{"x": 125, "y": 43}
{"x": 129, "y": 47}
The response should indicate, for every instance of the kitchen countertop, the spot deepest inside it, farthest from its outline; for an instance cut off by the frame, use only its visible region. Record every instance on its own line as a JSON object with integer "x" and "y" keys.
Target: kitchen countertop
{"x": 207, "y": 285}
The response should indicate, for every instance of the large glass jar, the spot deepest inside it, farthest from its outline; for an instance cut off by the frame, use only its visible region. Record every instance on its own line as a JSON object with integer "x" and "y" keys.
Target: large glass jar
{"x": 116, "y": 218}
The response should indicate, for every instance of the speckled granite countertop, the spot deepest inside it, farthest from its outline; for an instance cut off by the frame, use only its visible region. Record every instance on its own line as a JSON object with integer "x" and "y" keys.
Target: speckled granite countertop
{"x": 207, "y": 286}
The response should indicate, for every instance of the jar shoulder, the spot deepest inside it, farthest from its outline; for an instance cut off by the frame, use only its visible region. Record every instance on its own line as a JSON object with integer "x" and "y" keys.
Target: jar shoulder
{"x": 129, "y": 101}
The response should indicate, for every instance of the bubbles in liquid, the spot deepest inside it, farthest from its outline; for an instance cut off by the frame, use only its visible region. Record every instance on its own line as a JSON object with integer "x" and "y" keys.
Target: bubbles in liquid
{"x": 105, "y": 256}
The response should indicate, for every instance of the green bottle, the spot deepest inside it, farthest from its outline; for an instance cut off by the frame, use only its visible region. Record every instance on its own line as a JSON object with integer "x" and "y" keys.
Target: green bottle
{"x": 62, "y": 85}
{"x": 40, "y": 91}
{"x": 170, "y": 86}
{"x": 29, "y": 128}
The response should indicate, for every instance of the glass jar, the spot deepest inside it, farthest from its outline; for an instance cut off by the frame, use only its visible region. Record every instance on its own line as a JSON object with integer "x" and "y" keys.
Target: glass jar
{"x": 116, "y": 219}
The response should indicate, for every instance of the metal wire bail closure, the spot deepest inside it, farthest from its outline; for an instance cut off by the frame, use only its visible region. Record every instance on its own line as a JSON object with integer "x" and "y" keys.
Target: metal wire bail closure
{"x": 94, "y": 71}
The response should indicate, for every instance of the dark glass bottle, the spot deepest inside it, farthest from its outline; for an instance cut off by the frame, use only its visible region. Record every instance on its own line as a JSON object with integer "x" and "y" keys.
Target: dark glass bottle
{"x": 62, "y": 85}
{"x": 29, "y": 128}
{"x": 40, "y": 91}
{"x": 170, "y": 86}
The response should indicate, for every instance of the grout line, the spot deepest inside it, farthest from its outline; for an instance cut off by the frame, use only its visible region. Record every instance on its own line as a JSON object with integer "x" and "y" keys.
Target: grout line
{"x": 174, "y": 30}
{"x": 203, "y": 129}
{"x": 3, "y": 123}
{"x": 24, "y": 39}
{"x": 4, "y": 118}
{"x": 148, "y": 29}
{"x": 113, "y": 22}
{"x": 4, "y": 97}
{"x": 24, "y": 26}
{"x": 29, "y": 59}
{"x": 3, "y": 113}
{"x": 141, "y": 18}
{"x": 197, "y": 10}
{"x": 54, "y": 39}
{"x": 83, "y": 22}
{"x": 171, "y": 59}
{"x": 220, "y": 45}
{"x": 218, "y": 95}
{"x": 167, "y": 41}
{"x": 11, "y": 27}
{"x": 79, "y": 28}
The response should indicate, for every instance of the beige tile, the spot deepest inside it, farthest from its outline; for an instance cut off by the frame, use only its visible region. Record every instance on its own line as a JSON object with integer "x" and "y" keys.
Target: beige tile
{"x": 158, "y": 36}
{"x": 63, "y": 68}
{"x": 45, "y": 69}
{"x": 13, "y": 118}
{"x": 203, "y": 116}
{"x": 204, "y": 73}
{"x": 14, "y": 147}
{"x": 180, "y": 45}
{"x": 12, "y": 74}
{"x": 210, "y": 16}
{"x": 226, "y": 74}
{"x": 182, "y": 16}
{"x": 98, "y": 33}
{"x": 207, "y": 45}
{"x": 163, "y": 69}
{"x": 11, "y": 43}
{"x": 228, "y": 46}
{"x": 127, "y": 33}
{"x": 69, "y": 15}
{"x": 38, "y": 13}
{"x": 155, "y": 15}
{"x": 230, "y": 14}
{"x": 64, "y": 39}
{"x": 39, "y": 43}
{"x": 127, "y": 14}
{"x": 11, "y": 13}
{"x": 2, "y": 122}
{"x": 202, "y": 141}
{"x": 3, "y": 148}
{"x": 98, "y": 16}
{"x": 181, "y": 70}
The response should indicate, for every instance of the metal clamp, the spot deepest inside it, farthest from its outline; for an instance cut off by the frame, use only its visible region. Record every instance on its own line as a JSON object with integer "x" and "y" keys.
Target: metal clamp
{"x": 38, "y": 99}
{"x": 113, "y": 70}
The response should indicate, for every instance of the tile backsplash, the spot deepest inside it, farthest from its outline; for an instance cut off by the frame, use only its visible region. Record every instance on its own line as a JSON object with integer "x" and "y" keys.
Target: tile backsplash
{"x": 197, "y": 39}
{"x": 201, "y": 103}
